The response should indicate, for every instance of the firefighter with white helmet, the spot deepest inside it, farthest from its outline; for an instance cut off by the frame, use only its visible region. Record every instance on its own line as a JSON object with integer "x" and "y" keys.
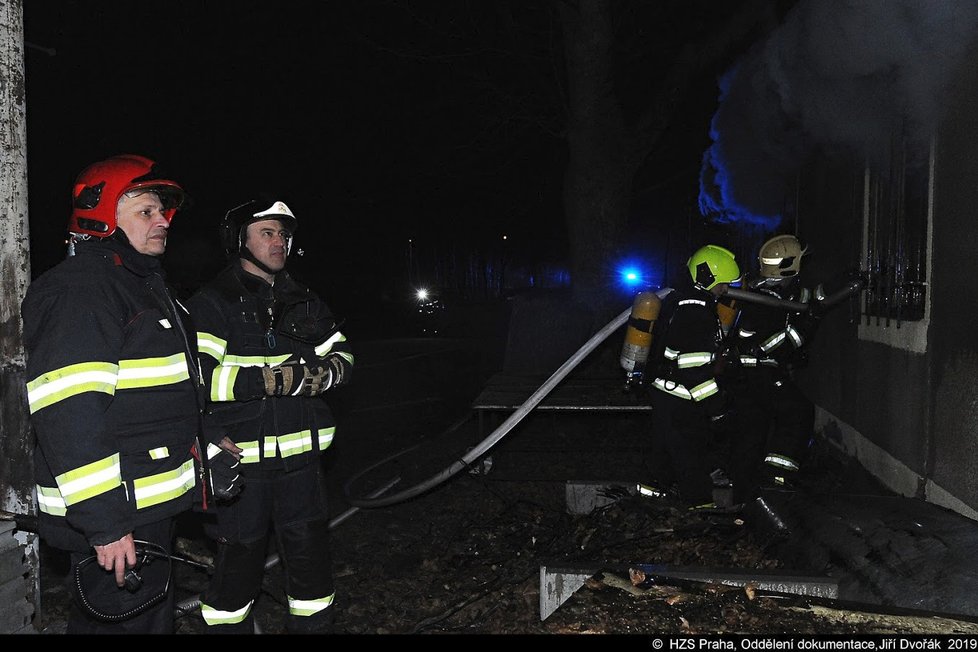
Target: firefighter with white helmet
{"x": 775, "y": 421}
{"x": 688, "y": 400}
{"x": 270, "y": 348}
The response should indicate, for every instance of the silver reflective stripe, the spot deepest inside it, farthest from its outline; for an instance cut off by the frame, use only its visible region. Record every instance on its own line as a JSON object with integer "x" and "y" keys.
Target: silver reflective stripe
{"x": 704, "y": 390}
{"x": 270, "y": 446}
{"x": 748, "y": 361}
{"x": 805, "y": 295}
{"x": 161, "y": 487}
{"x": 160, "y": 453}
{"x": 255, "y": 360}
{"x": 49, "y": 501}
{"x": 325, "y": 347}
{"x": 326, "y": 437}
{"x": 692, "y": 302}
{"x": 773, "y": 342}
{"x": 781, "y": 461}
{"x": 346, "y": 356}
{"x": 309, "y": 607}
{"x": 153, "y": 372}
{"x": 672, "y": 388}
{"x": 795, "y": 336}
{"x": 649, "y": 490}
{"x": 745, "y": 333}
{"x": 165, "y": 323}
{"x": 213, "y": 450}
{"x": 214, "y": 616}
{"x": 90, "y": 480}
{"x": 670, "y": 354}
{"x": 771, "y": 261}
{"x": 697, "y": 359}
{"x": 59, "y": 384}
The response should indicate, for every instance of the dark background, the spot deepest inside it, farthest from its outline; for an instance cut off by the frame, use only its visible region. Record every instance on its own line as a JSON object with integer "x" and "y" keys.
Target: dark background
{"x": 405, "y": 136}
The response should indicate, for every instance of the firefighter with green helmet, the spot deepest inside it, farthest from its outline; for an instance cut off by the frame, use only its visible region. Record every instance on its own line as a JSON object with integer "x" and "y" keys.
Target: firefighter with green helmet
{"x": 688, "y": 401}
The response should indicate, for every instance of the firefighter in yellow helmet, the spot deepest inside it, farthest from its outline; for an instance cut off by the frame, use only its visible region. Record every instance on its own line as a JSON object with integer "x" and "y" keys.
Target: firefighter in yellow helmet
{"x": 774, "y": 420}
{"x": 687, "y": 400}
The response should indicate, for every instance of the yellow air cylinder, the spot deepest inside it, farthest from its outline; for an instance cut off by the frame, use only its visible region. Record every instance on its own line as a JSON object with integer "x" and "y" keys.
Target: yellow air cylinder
{"x": 727, "y": 312}
{"x": 638, "y": 333}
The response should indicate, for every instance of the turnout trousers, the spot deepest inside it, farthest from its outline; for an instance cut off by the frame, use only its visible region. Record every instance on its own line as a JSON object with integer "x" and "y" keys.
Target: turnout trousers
{"x": 679, "y": 451}
{"x": 775, "y": 423}
{"x": 290, "y": 505}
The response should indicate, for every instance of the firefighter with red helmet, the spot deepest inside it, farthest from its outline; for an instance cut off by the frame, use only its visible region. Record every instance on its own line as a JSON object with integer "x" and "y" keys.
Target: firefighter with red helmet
{"x": 113, "y": 388}
{"x": 270, "y": 349}
{"x": 775, "y": 421}
{"x": 689, "y": 402}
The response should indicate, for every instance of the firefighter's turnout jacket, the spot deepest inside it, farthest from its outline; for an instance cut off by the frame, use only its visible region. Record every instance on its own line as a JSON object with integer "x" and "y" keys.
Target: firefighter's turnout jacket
{"x": 686, "y": 347}
{"x": 773, "y": 338}
{"x": 244, "y": 324}
{"x": 112, "y": 387}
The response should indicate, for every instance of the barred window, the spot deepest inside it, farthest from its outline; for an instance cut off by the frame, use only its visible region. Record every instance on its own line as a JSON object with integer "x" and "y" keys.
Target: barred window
{"x": 896, "y": 205}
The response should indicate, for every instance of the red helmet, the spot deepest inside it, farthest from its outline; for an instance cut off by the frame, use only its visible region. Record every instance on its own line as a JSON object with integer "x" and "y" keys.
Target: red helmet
{"x": 99, "y": 186}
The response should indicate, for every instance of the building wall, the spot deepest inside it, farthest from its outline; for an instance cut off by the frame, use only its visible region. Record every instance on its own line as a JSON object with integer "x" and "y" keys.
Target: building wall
{"x": 954, "y": 336}
{"x": 904, "y": 399}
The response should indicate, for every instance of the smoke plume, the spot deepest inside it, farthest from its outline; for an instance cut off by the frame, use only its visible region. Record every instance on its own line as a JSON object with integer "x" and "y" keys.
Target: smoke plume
{"x": 841, "y": 76}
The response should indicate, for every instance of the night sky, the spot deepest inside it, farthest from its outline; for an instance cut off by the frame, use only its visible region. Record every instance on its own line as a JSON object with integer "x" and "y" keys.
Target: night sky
{"x": 376, "y": 121}
{"x": 376, "y": 125}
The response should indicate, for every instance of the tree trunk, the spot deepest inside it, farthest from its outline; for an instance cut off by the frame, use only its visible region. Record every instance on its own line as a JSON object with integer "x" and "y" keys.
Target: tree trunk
{"x": 597, "y": 183}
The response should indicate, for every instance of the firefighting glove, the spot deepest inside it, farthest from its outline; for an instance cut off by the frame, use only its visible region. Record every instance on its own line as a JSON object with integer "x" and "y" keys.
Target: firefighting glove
{"x": 339, "y": 373}
{"x": 292, "y": 379}
{"x": 225, "y": 480}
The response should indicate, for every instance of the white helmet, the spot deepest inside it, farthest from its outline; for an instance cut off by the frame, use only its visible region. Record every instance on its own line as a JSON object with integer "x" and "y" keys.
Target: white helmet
{"x": 780, "y": 257}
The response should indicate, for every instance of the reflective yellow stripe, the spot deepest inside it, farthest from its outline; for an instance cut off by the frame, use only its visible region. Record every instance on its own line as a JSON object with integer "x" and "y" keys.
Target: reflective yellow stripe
{"x": 326, "y": 437}
{"x": 214, "y": 616}
{"x": 161, "y": 487}
{"x": 255, "y": 360}
{"x": 704, "y": 390}
{"x": 773, "y": 342}
{"x": 269, "y": 450}
{"x": 249, "y": 452}
{"x": 222, "y": 383}
{"x": 781, "y": 461}
{"x": 59, "y": 384}
{"x": 795, "y": 336}
{"x": 90, "y": 480}
{"x": 325, "y": 347}
{"x": 153, "y": 372}
{"x": 212, "y": 345}
{"x": 49, "y": 501}
{"x": 697, "y": 359}
{"x": 295, "y": 443}
{"x": 160, "y": 453}
{"x": 672, "y": 388}
{"x": 309, "y": 607}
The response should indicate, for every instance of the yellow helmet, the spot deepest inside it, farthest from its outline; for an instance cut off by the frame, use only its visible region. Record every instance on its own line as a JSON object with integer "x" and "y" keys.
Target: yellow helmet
{"x": 780, "y": 257}
{"x": 711, "y": 265}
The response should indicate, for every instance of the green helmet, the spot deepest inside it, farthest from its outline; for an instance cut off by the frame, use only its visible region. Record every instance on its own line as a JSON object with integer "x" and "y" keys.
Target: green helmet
{"x": 711, "y": 265}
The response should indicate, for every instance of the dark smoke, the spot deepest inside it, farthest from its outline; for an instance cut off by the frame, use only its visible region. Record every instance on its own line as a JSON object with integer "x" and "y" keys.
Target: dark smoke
{"x": 842, "y": 76}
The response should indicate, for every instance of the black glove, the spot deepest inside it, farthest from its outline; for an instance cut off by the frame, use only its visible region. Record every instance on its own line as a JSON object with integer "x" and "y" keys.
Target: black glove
{"x": 292, "y": 379}
{"x": 339, "y": 373}
{"x": 225, "y": 481}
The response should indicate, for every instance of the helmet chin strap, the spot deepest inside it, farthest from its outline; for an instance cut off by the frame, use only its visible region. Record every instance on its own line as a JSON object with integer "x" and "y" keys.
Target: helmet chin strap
{"x": 245, "y": 252}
